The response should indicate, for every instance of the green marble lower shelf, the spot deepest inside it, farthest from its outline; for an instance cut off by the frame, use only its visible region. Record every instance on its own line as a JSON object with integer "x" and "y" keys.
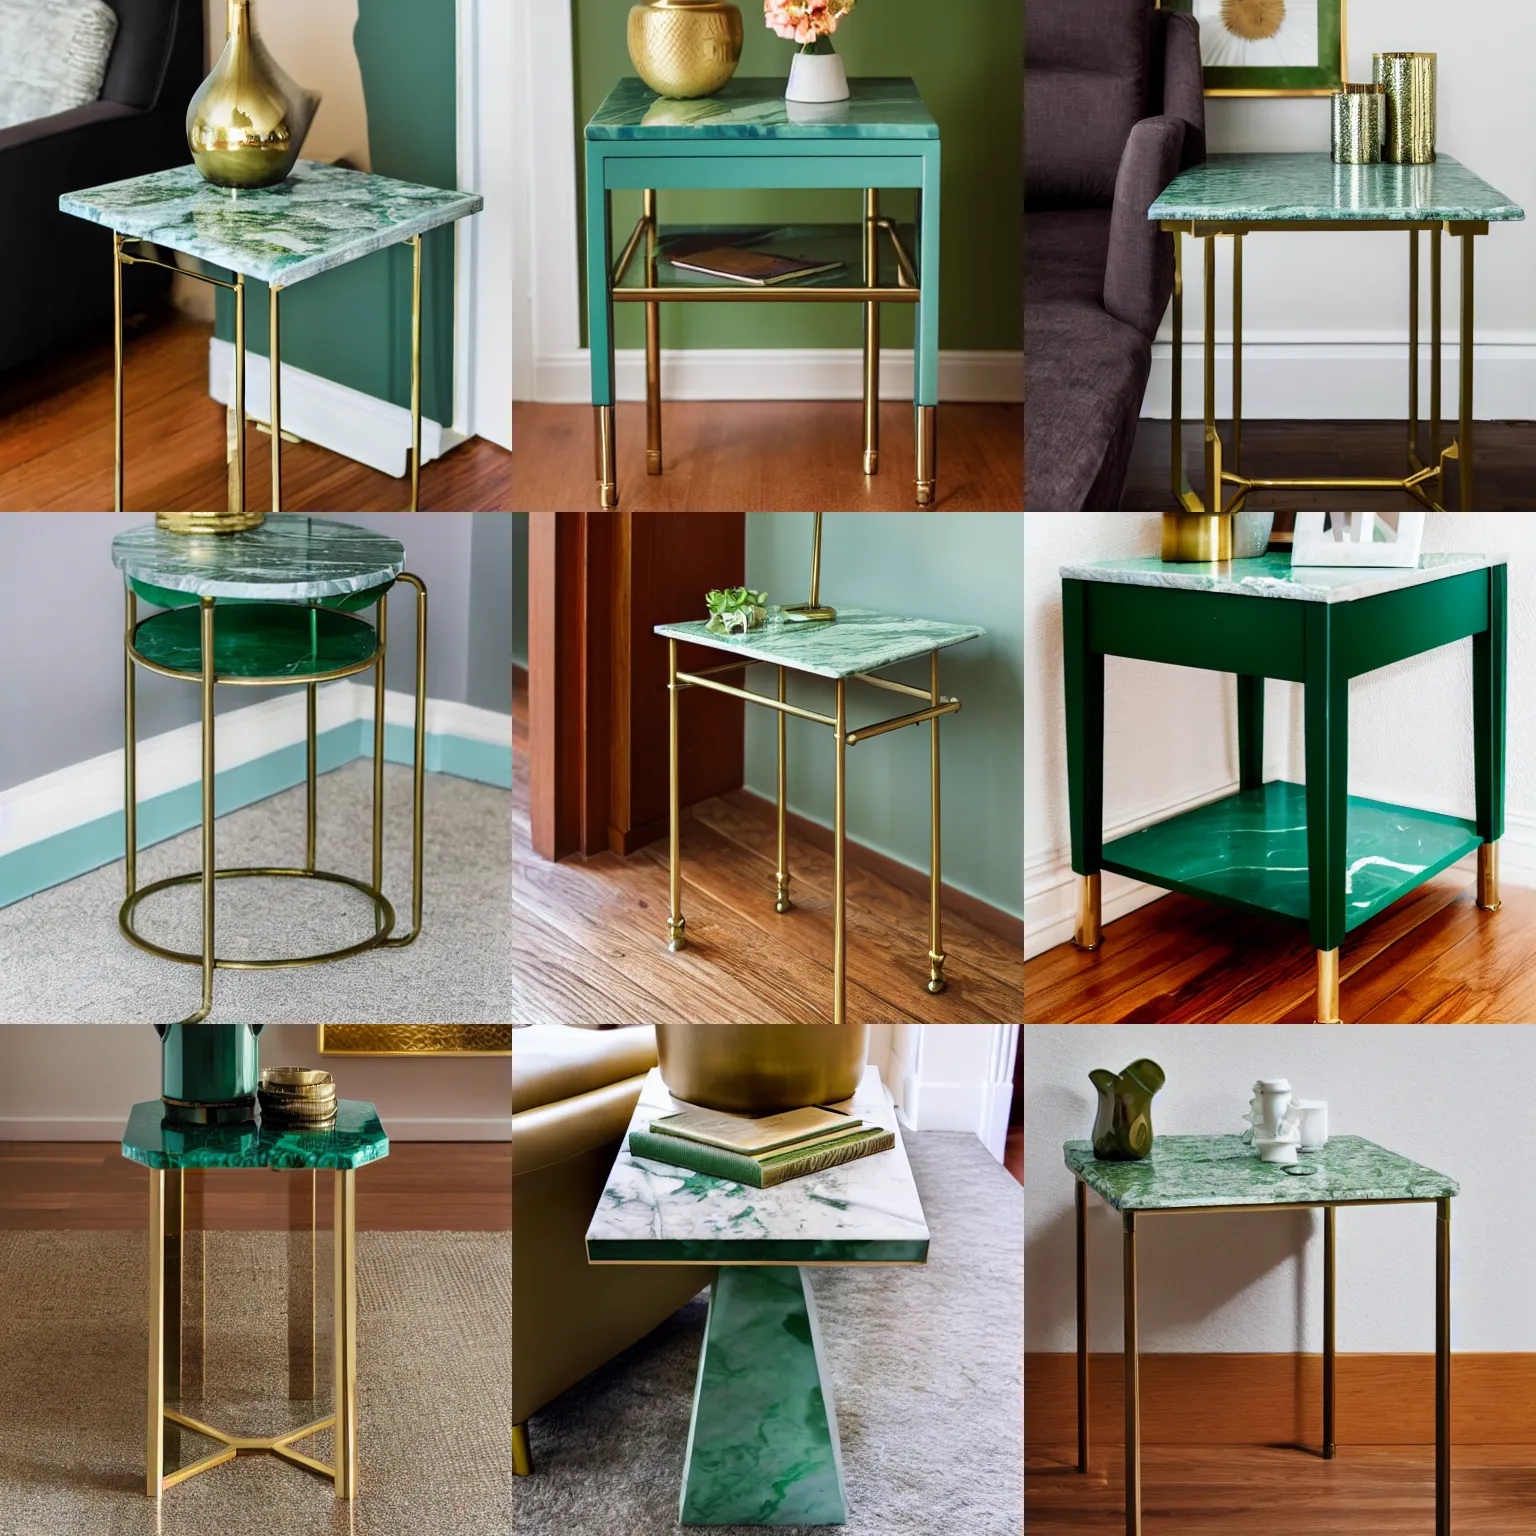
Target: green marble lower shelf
{"x": 1249, "y": 850}
{"x": 258, "y": 640}
{"x": 810, "y": 242}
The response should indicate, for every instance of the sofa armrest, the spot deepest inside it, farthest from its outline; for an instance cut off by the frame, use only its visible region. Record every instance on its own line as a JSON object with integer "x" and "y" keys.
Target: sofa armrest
{"x": 1138, "y": 276}
{"x": 63, "y": 127}
{"x": 1184, "y": 83}
{"x": 554, "y": 1133}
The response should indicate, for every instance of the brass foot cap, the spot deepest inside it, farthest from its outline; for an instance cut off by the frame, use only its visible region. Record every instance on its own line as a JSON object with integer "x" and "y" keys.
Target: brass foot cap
{"x": 782, "y": 904}
{"x": 1087, "y": 949}
{"x": 607, "y": 494}
{"x": 871, "y": 461}
{"x": 653, "y": 461}
{"x": 1494, "y": 907}
{"x": 936, "y": 984}
{"x": 925, "y": 493}
{"x": 673, "y": 945}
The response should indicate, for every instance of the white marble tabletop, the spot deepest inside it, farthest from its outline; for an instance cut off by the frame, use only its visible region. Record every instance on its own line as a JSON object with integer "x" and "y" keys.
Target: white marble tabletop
{"x": 864, "y": 1212}
{"x": 1274, "y": 576}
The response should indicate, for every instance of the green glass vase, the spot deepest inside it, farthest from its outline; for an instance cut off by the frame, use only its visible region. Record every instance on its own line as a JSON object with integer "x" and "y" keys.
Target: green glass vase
{"x": 1122, "y": 1129}
{"x": 209, "y": 1072}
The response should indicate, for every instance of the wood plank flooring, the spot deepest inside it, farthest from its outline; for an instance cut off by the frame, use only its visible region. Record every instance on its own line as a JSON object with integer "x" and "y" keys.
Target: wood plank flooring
{"x": 457, "y": 1186}
{"x": 1219, "y": 1490}
{"x": 589, "y": 940}
{"x": 1432, "y": 958}
{"x": 785, "y": 455}
{"x": 56, "y": 446}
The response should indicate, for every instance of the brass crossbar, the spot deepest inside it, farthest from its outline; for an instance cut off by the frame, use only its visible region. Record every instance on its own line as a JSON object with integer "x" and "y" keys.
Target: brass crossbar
{"x": 879, "y": 728}
{"x": 945, "y": 707}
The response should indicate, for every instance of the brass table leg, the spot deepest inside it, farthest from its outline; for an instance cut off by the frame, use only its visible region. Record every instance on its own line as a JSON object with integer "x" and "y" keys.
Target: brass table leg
{"x": 871, "y": 334}
{"x": 1213, "y": 482}
{"x": 1464, "y": 432}
{"x": 839, "y": 868}
{"x": 130, "y": 744}
{"x": 676, "y": 938}
{"x": 117, "y": 372}
{"x": 1443, "y": 1367}
{"x": 781, "y": 902}
{"x": 1488, "y": 877}
{"x": 344, "y": 1374}
{"x": 210, "y": 857}
{"x": 1132, "y": 1385}
{"x": 927, "y": 455}
{"x": 1413, "y": 350}
{"x": 1237, "y": 363}
{"x": 154, "y": 1444}
{"x": 652, "y": 343}
{"x": 522, "y": 1461}
{"x": 1179, "y": 480}
{"x": 1436, "y": 362}
{"x": 1088, "y": 934}
{"x": 1330, "y": 1316}
{"x": 237, "y": 463}
{"x": 607, "y": 471}
{"x": 275, "y": 390}
{"x": 415, "y": 373}
{"x": 379, "y": 668}
{"x": 310, "y": 751}
{"x": 302, "y": 1385}
{"x": 936, "y": 982}
{"x": 418, "y": 764}
{"x": 1327, "y": 986}
{"x": 1082, "y": 1326}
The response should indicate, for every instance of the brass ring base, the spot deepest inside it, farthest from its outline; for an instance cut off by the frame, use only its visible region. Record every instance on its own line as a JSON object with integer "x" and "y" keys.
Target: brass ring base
{"x": 382, "y": 909}
{"x": 808, "y": 613}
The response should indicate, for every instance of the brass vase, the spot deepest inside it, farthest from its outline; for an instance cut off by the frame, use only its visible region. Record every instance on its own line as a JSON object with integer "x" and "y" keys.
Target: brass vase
{"x": 248, "y": 120}
{"x": 685, "y": 48}
{"x": 759, "y": 1069}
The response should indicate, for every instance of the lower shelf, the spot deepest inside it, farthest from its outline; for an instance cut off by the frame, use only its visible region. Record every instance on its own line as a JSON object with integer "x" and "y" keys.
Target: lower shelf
{"x": 1249, "y": 850}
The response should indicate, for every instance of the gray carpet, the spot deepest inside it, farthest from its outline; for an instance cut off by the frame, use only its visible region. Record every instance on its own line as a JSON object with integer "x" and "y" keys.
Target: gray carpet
{"x": 66, "y": 961}
{"x": 434, "y": 1400}
{"x": 927, "y": 1370}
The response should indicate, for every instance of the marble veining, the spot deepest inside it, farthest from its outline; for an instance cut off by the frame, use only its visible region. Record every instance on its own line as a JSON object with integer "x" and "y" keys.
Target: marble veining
{"x": 1273, "y": 575}
{"x": 1271, "y": 188}
{"x": 321, "y": 217}
{"x": 291, "y": 557}
{"x": 753, "y": 107}
{"x": 865, "y": 1211}
{"x": 354, "y": 1139}
{"x": 1222, "y": 1170}
{"x": 859, "y": 641}
{"x": 277, "y": 640}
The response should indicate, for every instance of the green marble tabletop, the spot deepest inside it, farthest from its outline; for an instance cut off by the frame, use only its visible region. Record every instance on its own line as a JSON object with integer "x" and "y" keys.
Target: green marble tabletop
{"x": 1270, "y": 188}
{"x": 322, "y": 216}
{"x": 354, "y": 1139}
{"x": 291, "y": 557}
{"x": 864, "y": 1212}
{"x": 1184, "y": 1171}
{"x": 748, "y": 107}
{"x": 860, "y": 640}
{"x": 1273, "y": 575}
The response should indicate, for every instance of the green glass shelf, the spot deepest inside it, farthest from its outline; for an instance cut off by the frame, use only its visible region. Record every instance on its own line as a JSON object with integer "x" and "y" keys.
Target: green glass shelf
{"x": 355, "y": 1138}
{"x": 258, "y": 640}
{"x": 1249, "y": 850}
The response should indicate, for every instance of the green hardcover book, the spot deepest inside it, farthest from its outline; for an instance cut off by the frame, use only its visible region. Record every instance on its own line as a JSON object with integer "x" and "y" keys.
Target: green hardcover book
{"x": 760, "y": 1172}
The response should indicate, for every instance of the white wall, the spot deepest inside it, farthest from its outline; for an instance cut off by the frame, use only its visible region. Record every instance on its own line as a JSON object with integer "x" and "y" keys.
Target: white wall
{"x": 1170, "y": 733}
{"x": 952, "y": 1077}
{"x": 1247, "y": 1282}
{"x": 1325, "y": 316}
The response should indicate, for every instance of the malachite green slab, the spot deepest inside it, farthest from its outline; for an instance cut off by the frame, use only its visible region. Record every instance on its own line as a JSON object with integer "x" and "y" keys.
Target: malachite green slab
{"x": 1250, "y": 850}
{"x": 1262, "y": 188}
{"x": 291, "y": 557}
{"x": 257, "y": 640}
{"x": 168, "y": 597}
{"x": 1187, "y": 1171}
{"x": 748, "y": 107}
{"x": 858, "y": 641}
{"x": 809, "y": 242}
{"x": 865, "y": 1212}
{"x": 762, "y": 1442}
{"x": 321, "y": 217}
{"x": 1273, "y": 575}
{"x": 354, "y": 1139}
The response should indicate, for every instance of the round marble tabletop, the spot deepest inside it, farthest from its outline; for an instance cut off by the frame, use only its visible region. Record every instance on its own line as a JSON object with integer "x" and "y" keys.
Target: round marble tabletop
{"x": 291, "y": 557}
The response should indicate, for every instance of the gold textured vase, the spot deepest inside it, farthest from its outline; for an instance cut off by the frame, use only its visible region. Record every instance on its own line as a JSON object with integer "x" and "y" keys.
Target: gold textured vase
{"x": 759, "y": 1069}
{"x": 247, "y": 121}
{"x": 1409, "y": 82}
{"x": 685, "y": 48}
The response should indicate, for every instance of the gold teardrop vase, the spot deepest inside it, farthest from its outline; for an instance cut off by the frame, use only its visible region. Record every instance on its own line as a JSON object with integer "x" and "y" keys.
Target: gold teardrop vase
{"x": 685, "y": 48}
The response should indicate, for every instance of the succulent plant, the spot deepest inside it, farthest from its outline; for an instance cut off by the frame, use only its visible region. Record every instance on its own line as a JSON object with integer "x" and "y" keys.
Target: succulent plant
{"x": 735, "y": 608}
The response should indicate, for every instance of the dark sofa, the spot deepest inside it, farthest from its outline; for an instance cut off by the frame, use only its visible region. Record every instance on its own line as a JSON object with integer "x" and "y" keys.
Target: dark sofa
{"x": 56, "y": 270}
{"x": 1113, "y": 110}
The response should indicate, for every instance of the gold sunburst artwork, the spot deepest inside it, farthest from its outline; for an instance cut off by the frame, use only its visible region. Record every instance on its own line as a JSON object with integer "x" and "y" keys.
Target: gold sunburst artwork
{"x": 1258, "y": 34}
{"x": 1253, "y": 20}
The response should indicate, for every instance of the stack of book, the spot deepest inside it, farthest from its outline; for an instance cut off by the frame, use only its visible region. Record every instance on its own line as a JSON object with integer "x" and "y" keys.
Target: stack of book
{"x": 760, "y": 1151}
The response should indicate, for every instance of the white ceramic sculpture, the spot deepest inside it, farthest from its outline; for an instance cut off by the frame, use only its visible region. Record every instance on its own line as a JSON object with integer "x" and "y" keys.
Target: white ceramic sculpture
{"x": 1274, "y": 1120}
{"x": 1358, "y": 538}
{"x": 1314, "y": 1123}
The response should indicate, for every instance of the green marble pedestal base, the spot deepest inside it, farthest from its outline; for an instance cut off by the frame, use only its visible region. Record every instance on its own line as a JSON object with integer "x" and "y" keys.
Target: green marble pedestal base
{"x": 762, "y": 1443}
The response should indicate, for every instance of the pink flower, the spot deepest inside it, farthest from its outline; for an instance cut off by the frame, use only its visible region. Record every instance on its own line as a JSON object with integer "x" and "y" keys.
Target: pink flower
{"x": 803, "y": 21}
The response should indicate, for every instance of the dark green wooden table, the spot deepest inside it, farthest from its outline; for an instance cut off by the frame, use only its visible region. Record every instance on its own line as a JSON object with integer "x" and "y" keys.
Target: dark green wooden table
{"x": 1311, "y": 854}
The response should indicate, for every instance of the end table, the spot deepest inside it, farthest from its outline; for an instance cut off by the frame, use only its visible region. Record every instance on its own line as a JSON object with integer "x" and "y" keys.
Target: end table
{"x": 322, "y": 216}
{"x": 763, "y": 1446}
{"x": 176, "y": 1273}
{"x": 1222, "y": 1173}
{"x": 1312, "y": 854}
{"x": 747, "y": 136}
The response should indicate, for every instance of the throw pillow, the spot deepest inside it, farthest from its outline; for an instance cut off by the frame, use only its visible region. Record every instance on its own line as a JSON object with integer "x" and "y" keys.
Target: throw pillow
{"x": 53, "y": 56}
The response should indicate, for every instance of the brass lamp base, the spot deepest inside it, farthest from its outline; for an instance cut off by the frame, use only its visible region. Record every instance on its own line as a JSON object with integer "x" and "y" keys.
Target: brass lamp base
{"x": 208, "y": 522}
{"x": 808, "y": 613}
{"x": 1190, "y": 537}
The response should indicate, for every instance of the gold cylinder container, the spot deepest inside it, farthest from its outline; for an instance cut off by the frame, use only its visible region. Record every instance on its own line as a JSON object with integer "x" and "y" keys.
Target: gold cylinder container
{"x": 1409, "y": 81}
{"x": 1190, "y": 537}
{"x": 208, "y": 522}
{"x": 1359, "y": 124}
{"x": 759, "y": 1069}
{"x": 685, "y": 48}
{"x": 247, "y": 121}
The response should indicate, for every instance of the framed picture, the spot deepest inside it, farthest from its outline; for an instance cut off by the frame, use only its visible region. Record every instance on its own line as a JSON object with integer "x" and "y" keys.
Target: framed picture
{"x": 1358, "y": 538}
{"x": 415, "y": 1039}
{"x": 1269, "y": 47}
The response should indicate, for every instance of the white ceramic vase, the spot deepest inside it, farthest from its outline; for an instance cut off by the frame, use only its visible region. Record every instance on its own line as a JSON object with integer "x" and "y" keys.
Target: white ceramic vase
{"x": 816, "y": 77}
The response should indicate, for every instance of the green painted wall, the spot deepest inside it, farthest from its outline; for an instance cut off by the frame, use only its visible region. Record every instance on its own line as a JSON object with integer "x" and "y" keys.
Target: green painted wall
{"x": 520, "y": 588}
{"x": 965, "y": 566}
{"x": 353, "y": 325}
{"x": 966, "y": 56}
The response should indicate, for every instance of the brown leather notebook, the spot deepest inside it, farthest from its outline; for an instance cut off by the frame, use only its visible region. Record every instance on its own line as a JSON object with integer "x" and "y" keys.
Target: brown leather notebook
{"x": 760, "y": 269}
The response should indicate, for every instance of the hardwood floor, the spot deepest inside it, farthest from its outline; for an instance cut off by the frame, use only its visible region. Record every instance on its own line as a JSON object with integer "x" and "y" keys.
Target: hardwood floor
{"x": 1432, "y": 958}
{"x": 1378, "y": 1490}
{"x": 56, "y": 443}
{"x": 1504, "y": 454}
{"x": 589, "y": 945}
{"x": 728, "y": 456}
{"x": 437, "y": 1186}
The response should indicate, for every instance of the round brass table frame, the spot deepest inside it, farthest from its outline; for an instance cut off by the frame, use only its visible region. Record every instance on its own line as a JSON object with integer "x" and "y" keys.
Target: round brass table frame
{"x": 384, "y": 936}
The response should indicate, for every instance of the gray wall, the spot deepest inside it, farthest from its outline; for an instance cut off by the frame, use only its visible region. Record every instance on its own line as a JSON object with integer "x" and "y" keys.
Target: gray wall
{"x": 61, "y": 627}
{"x": 520, "y": 588}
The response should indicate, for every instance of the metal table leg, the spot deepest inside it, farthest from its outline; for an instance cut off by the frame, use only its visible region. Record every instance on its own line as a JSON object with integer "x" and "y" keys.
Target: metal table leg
{"x": 1329, "y": 1324}
{"x": 652, "y": 342}
{"x": 302, "y": 1384}
{"x": 936, "y": 957}
{"x": 344, "y": 1371}
{"x": 871, "y": 333}
{"x": 676, "y": 938}
{"x": 839, "y": 868}
{"x": 418, "y": 764}
{"x": 415, "y": 372}
{"x": 154, "y": 1445}
{"x": 1443, "y": 1367}
{"x": 1082, "y": 1326}
{"x": 1132, "y": 1385}
{"x": 781, "y": 902}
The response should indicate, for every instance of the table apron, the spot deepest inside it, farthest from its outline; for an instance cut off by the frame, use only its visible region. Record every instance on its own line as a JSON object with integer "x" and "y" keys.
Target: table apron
{"x": 698, "y": 166}
{"x": 1202, "y": 228}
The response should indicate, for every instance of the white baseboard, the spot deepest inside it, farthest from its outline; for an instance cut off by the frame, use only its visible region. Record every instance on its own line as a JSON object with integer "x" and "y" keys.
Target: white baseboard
{"x": 1361, "y": 378}
{"x": 104, "y": 1128}
{"x": 328, "y": 414}
{"x": 780, "y": 373}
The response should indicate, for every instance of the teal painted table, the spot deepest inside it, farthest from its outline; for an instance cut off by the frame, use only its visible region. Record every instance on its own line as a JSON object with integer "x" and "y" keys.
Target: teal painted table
{"x": 1239, "y": 194}
{"x": 177, "y": 1267}
{"x": 1221, "y": 1173}
{"x": 853, "y": 648}
{"x": 320, "y": 218}
{"x": 1313, "y": 855}
{"x": 277, "y": 604}
{"x": 747, "y": 135}
{"x": 763, "y": 1446}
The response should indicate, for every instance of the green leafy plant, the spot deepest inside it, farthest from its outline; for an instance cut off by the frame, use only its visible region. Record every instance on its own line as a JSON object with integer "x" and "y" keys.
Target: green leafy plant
{"x": 735, "y": 608}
